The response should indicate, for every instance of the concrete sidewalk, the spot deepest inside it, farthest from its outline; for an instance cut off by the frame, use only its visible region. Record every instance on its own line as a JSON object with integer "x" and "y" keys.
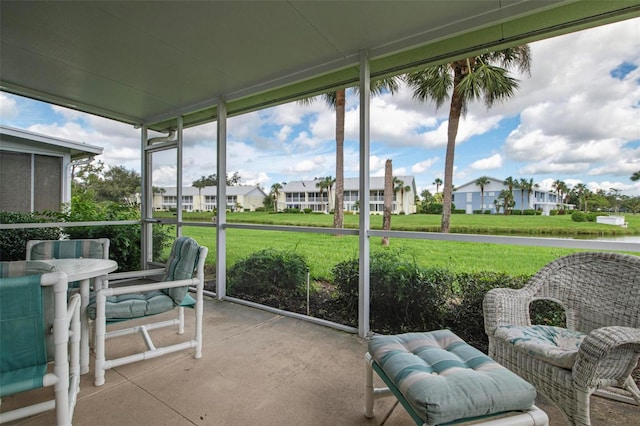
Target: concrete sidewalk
{"x": 257, "y": 368}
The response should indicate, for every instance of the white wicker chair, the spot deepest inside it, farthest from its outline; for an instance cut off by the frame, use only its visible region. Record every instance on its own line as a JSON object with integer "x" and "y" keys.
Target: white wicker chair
{"x": 600, "y": 293}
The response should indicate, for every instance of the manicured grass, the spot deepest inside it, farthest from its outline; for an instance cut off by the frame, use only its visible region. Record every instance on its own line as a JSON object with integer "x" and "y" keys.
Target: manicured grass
{"x": 460, "y": 223}
{"x": 323, "y": 252}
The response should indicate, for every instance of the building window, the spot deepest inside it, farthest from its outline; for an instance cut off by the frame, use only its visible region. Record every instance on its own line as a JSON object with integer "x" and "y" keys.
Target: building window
{"x": 20, "y": 172}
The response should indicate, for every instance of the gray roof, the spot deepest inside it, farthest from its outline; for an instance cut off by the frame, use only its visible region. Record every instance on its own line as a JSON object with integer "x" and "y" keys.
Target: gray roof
{"x": 34, "y": 142}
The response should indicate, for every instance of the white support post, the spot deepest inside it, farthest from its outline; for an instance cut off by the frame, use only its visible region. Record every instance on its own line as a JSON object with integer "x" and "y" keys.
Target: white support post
{"x": 146, "y": 199}
{"x": 363, "y": 283}
{"x": 179, "y": 156}
{"x": 221, "y": 202}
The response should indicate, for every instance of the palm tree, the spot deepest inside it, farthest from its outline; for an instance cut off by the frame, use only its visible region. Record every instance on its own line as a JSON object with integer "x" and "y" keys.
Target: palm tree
{"x": 580, "y": 191}
{"x": 635, "y": 176}
{"x": 527, "y": 185}
{"x": 337, "y": 100}
{"x": 506, "y": 197}
{"x": 399, "y": 186}
{"x": 275, "y": 191}
{"x": 323, "y": 184}
{"x": 483, "y": 76}
{"x": 438, "y": 184}
{"x": 482, "y": 182}
{"x": 387, "y": 200}
{"x": 559, "y": 187}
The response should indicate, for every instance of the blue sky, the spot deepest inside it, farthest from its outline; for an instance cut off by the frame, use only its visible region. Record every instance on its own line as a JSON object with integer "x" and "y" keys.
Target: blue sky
{"x": 576, "y": 118}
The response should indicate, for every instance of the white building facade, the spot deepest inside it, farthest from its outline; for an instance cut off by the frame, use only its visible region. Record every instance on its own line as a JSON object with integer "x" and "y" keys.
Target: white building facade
{"x": 239, "y": 198}
{"x": 305, "y": 194}
{"x": 470, "y": 198}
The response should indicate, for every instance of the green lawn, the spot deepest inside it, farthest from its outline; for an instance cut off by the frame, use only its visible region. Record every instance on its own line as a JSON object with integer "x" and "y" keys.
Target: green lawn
{"x": 324, "y": 251}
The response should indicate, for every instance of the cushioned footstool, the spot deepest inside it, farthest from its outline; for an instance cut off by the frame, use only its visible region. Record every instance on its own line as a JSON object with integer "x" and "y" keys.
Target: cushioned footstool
{"x": 440, "y": 379}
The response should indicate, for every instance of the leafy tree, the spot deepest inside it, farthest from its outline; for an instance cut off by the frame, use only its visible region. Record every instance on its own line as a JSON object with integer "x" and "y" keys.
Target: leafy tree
{"x": 635, "y": 176}
{"x": 483, "y": 76}
{"x": 337, "y": 101}
{"x": 482, "y": 182}
{"x": 116, "y": 184}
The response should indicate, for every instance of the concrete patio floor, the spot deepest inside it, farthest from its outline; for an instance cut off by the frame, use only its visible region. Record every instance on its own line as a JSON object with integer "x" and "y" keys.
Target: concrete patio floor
{"x": 257, "y": 368}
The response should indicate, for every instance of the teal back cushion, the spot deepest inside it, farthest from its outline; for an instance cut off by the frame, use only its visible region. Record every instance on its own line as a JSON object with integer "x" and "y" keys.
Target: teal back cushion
{"x": 67, "y": 249}
{"x": 19, "y": 268}
{"x": 181, "y": 265}
{"x": 23, "y": 351}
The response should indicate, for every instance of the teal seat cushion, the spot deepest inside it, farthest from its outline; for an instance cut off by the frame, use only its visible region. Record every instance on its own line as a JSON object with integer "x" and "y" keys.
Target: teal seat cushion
{"x": 23, "y": 349}
{"x": 129, "y": 306}
{"x": 445, "y": 379}
{"x": 555, "y": 345}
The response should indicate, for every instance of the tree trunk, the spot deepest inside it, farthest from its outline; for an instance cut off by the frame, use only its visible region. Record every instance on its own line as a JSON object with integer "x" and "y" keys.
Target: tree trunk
{"x": 338, "y": 210}
{"x": 454, "y": 120}
{"x": 387, "y": 200}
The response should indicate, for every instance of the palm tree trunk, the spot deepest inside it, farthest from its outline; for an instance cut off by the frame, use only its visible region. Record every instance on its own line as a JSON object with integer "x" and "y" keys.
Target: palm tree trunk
{"x": 454, "y": 120}
{"x": 387, "y": 200}
{"x": 338, "y": 211}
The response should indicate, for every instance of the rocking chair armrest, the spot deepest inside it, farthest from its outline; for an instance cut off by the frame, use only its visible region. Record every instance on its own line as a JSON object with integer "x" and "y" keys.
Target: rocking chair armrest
{"x": 142, "y": 288}
{"x": 505, "y": 306}
{"x": 607, "y": 356}
{"x": 133, "y": 275}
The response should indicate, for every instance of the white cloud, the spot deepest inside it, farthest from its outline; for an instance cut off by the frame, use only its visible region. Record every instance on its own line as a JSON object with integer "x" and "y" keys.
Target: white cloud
{"x": 423, "y": 166}
{"x": 493, "y": 162}
{"x": 8, "y": 108}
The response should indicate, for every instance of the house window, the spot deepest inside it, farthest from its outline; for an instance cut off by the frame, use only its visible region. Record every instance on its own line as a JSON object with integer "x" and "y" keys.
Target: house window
{"x": 20, "y": 172}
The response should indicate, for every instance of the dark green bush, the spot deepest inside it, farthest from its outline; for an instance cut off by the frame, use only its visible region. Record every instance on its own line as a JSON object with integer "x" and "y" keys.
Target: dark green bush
{"x": 308, "y": 210}
{"x": 404, "y": 297}
{"x": 465, "y": 316}
{"x": 268, "y": 273}
{"x": 13, "y": 242}
{"x": 407, "y": 298}
{"x": 292, "y": 210}
{"x": 578, "y": 217}
{"x": 124, "y": 240}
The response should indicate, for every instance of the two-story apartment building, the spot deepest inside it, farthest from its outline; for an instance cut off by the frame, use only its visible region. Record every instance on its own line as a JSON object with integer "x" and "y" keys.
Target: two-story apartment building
{"x": 305, "y": 194}
{"x": 470, "y": 198}
{"x": 239, "y": 198}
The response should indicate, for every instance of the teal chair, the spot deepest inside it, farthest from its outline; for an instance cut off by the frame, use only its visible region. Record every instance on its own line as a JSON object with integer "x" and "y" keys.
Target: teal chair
{"x": 132, "y": 295}
{"x": 38, "y": 326}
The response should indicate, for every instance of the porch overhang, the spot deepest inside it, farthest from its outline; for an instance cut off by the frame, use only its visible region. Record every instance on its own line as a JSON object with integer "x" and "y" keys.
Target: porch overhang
{"x": 150, "y": 62}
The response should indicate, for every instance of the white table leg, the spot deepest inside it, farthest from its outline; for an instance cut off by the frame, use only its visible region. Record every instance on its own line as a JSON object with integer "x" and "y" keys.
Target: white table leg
{"x": 84, "y": 326}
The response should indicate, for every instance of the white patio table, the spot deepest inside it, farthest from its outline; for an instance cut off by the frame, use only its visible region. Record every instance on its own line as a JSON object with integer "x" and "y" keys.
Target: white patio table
{"x": 83, "y": 270}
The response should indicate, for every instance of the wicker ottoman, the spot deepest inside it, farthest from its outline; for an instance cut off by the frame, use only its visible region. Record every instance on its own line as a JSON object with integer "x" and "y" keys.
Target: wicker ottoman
{"x": 440, "y": 379}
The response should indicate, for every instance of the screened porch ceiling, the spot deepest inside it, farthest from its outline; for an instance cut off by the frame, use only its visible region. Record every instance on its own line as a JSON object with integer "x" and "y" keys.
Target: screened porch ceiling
{"x": 144, "y": 62}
